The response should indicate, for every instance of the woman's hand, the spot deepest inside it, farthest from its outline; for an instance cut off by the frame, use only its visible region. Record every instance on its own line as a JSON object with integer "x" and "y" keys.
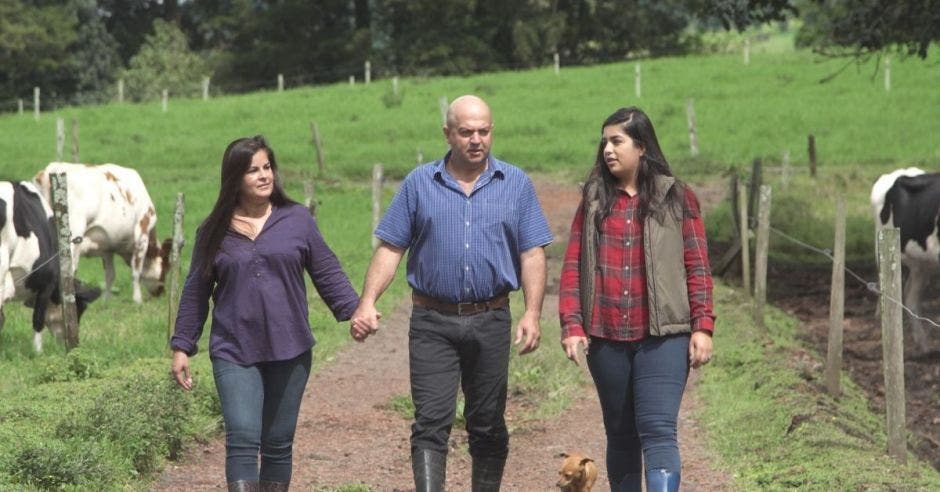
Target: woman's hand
{"x": 700, "y": 349}
{"x": 570, "y": 346}
{"x": 180, "y": 370}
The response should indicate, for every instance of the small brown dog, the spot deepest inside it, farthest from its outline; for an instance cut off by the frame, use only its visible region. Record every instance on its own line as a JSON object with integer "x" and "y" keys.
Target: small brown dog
{"x": 577, "y": 473}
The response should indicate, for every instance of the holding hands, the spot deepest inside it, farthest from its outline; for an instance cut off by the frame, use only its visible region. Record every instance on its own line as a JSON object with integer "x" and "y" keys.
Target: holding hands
{"x": 364, "y": 322}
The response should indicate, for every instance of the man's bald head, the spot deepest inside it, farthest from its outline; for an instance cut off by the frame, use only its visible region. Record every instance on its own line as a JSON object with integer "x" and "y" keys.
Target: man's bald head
{"x": 469, "y": 132}
{"x": 467, "y": 106}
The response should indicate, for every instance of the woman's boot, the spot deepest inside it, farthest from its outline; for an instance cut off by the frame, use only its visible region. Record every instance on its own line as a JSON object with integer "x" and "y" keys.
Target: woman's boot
{"x": 662, "y": 480}
{"x": 243, "y": 486}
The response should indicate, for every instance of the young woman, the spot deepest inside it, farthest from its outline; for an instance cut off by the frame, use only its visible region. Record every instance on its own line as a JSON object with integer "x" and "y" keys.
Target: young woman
{"x": 636, "y": 288}
{"x": 250, "y": 256}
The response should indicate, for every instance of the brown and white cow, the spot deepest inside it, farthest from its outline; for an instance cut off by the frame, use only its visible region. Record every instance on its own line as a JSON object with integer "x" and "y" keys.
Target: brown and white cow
{"x": 110, "y": 208}
{"x": 909, "y": 199}
{"x": 29, "y": 266}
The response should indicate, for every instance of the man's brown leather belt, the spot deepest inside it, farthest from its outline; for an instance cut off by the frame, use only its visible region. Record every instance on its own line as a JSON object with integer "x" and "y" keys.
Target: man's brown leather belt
{"x": 463, "y": 308}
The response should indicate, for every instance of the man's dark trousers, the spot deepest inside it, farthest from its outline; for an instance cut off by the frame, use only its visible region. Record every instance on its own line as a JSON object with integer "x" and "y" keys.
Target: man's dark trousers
{"x": 473, "y": 351}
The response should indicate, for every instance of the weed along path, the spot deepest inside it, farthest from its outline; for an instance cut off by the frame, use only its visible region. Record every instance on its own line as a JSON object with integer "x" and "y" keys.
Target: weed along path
{"x": 349, "y": 433}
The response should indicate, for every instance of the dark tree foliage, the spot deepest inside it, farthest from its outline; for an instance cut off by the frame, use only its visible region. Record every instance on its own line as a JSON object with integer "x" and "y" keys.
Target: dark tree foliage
{"x": 130, "y": 21}
{"x": 860, "y": 27}
{"x": 739, "y": 14}
{"x": 73, "y": 49}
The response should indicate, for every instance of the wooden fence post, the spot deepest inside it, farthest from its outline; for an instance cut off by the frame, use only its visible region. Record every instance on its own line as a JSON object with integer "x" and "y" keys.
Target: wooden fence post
{"x": 745, "y": 239}
{"x": 36, "y": 103}
{"x": 637, "y": 84}
{"x": 734, "y": 249}
{"x": 693, "y": 138}
{"x": 811, "y": 150}
{"x": 747, "y": 51}
{"x": 557, "y": 64}
{"x": 165, "y": 99}
{"x": 205, "y": 88}
{"x": 368, "y": 72}
{"x": 19, "y": 106}
{"x": 59, "y": 138}
{"x": 317, "y": 144}
{"x": 310, "y": 199}
{"x": 892, "y": 339}
{"x": 785, "y": 177}
{"x": 887, "y": 74}
{"x": 280, "y": 82}
{"x": 753, "y": 191}
{"x": 442, "y": 104}
{"x": 395, "y": 86}
{"x": 761, "y": 250}
{"x": 352, "y": 80}
{"x": 173, "y": 282}
{"x": 120, "y": 90}
{"x": 60, "y": 210}
{"x": 836, "y": 304}
{"x": 75, "y": 157}
{"x": 376, "y": 201}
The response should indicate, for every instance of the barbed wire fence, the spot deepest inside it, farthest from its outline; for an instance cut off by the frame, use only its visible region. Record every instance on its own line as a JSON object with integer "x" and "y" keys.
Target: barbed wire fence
{"x": 871, "y": 286}
{"x": 888, "y": 288}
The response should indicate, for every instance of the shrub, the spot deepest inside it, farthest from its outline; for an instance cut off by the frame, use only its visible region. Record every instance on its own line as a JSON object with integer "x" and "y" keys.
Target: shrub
{"x": 74, "y": 366}
{"x": 53, "y": 464}
{"x": 143, "y": 417}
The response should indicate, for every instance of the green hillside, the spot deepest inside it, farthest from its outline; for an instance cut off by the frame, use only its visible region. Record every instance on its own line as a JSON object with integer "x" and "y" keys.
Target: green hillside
{"x": 545, "y": 123}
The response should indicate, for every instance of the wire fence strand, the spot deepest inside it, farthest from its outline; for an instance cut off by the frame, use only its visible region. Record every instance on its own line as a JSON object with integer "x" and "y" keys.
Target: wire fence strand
{"x": 871, "y": 286}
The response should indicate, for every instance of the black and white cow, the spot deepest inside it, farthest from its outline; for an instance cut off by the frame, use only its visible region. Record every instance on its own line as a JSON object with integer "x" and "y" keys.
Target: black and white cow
{"x": 909, "y": 199}
{"x": 29, "y": 260}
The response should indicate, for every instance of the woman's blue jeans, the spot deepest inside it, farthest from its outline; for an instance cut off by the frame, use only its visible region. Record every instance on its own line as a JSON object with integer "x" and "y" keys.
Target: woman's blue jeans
{"x": 260, "y": 403}
{"x": 640, "y": 386}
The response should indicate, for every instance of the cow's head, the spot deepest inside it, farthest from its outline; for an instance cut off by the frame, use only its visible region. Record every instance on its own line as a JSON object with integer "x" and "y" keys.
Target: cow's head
{"x": 157, "y": 260}
{"x": 84, "y": 295}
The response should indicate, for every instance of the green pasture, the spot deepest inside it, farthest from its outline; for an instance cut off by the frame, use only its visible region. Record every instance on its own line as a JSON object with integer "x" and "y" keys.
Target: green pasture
{"x": 545, "y": 123}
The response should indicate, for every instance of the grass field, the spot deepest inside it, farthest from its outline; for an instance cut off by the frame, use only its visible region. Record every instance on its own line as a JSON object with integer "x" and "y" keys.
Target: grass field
{"x": 547, "y": 124}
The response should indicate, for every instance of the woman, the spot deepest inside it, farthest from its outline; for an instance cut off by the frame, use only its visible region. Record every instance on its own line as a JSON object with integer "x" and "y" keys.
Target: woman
{"x": 636, "y": 288}
{"x": 250, "y": 255}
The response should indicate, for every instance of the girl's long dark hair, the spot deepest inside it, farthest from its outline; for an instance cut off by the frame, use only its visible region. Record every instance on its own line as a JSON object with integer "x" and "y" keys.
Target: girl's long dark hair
{"x": 235, "y": 163}
{"x": 637, "y": 125}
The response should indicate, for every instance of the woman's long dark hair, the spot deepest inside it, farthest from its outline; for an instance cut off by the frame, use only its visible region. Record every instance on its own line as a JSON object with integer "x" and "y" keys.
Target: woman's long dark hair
{"x": 637, "y": 125}
{"x": 235, "y": 163}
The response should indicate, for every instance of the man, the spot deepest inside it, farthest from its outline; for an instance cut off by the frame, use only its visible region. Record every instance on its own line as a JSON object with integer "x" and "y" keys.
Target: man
{"x": 475, "y": 231}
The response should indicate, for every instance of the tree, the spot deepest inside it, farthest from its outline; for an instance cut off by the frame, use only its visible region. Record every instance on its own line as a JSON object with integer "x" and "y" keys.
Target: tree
{"x": 164, "y": 62}
{"x": 34, "y": 42}
{"x": 862, "y": 27}
{"x": 94, "y": 56}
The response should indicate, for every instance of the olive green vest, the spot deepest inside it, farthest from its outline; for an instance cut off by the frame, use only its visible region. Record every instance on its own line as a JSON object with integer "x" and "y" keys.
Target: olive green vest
{"x": 663, "y": 246}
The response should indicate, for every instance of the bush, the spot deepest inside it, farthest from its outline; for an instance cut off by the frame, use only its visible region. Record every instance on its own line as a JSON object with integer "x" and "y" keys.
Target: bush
{"x": 73, "y": 366}
{"x": 142, "y": 417}
{"x": 53, "y": 464}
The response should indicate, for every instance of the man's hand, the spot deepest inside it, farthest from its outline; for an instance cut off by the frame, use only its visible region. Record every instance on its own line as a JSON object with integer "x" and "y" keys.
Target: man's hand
{"x": 528, "y": 332}
{"x": 364, "y": 322}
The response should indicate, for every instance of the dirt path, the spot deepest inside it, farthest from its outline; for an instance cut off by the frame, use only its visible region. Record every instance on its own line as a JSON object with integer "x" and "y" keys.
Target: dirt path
{"x": 347, "y": 434}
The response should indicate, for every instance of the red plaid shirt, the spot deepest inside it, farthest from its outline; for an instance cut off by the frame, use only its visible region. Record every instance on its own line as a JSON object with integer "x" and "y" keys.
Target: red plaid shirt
{"x": 621, "y": 309}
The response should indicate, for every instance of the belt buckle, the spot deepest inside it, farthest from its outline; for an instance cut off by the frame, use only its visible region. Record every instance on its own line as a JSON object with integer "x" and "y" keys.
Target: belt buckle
{"x": 466, "y": 307}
